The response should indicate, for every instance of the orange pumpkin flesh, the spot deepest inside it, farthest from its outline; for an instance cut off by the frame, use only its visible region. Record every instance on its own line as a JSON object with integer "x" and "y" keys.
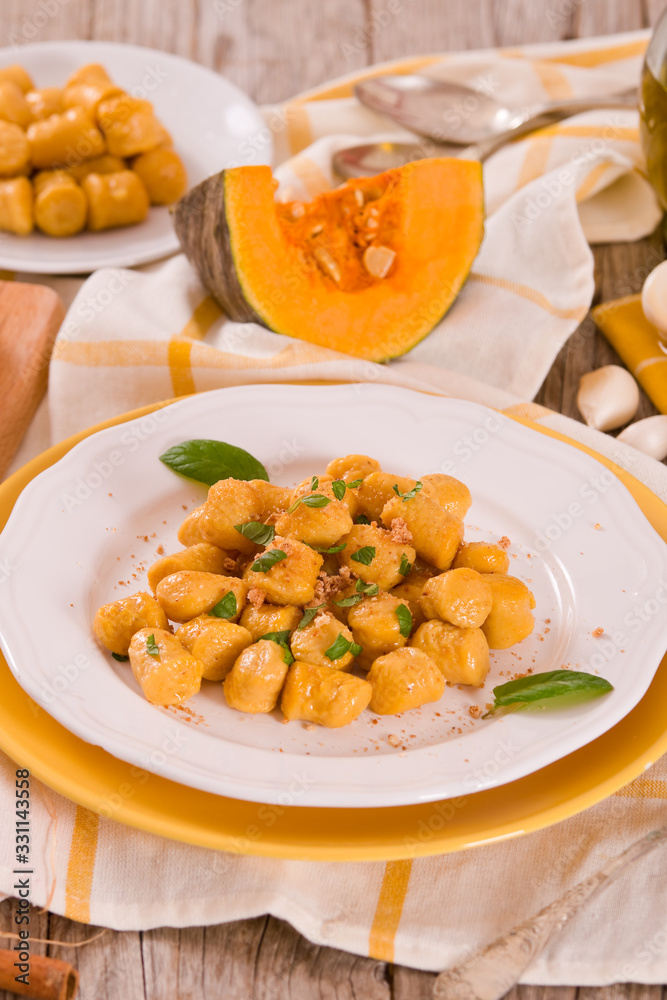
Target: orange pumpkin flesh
{"x": 302, "y": 269}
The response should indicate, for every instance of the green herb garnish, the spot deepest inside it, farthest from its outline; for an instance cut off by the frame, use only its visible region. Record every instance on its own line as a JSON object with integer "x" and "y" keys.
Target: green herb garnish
{"x": 152, "y": 647}
{"x": 355, "y": 484}
{"x": 314, "y": 483}
{"x": 312, "y": 500}
{"x": 263, "y": 563}
{"x": 404, "y": 620}
{"x": 330, "y": 551}
{"x": 226, "y": 608}
{"x": 536, "y": 688}
{"x": 364, "y": 555}
{"x": 342, "y": 646}
{"x": 362, "y": 519}
{"x": 405, "y": 566}
{"x": 308, "y": 615}
{"x": 257, "y": 532}
{"x": 338, "y": 488}
{"x": 410, "y": 493}
{"x": 369, "y": 589}
{"x": 121, "y": 659}
{"x": 347, "y": 602}
{"x": 209, "y": 461}
{"x": 282, "y": 639}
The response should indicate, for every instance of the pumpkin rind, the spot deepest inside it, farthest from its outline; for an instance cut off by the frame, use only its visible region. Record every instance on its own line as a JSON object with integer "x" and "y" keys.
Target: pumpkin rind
{"x": 264, "y": 266}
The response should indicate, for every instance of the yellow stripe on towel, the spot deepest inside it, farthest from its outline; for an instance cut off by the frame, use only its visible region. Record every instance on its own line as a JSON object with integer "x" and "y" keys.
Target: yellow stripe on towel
{"x": 644, "y": 788}
{"x": 637, "y": 343}
{"x": 202, "y": 319}
{"x": 183, "y": 384}
{"x": 598, "y": 57}
{"x": 81, "y": 865}
{"x": 389, "y": 910}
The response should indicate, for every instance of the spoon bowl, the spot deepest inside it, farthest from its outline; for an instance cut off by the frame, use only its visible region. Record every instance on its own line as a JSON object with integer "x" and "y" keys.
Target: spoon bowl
{"x": 451, "y": 112}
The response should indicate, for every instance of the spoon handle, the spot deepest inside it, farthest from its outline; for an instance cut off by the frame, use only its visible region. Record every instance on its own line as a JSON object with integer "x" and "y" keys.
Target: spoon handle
{"x": 573, "y": 105}
{"x": 490, "y": 973}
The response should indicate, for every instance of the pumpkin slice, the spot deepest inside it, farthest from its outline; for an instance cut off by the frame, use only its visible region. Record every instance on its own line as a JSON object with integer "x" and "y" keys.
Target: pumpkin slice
{"x": 368, "y": 269}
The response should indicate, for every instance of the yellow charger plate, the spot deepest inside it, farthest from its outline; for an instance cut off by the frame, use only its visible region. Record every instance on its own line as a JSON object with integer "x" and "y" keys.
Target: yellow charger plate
{"x": 93, "y": 778}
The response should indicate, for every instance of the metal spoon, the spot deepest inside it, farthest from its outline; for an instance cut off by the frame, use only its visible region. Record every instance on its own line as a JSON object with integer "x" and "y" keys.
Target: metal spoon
{"x": 451, "y": 112}
{"x": 489, "y": 974}
{"x": 375, "y": 157}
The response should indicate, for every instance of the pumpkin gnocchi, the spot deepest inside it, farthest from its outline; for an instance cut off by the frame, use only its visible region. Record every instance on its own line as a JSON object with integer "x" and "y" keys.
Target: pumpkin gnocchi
{"x": 285, "y": 596}
{"x": 84, "y": 155}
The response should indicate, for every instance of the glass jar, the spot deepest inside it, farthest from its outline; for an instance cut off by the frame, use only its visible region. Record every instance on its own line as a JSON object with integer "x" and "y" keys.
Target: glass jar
{"x": 653, "y": 109}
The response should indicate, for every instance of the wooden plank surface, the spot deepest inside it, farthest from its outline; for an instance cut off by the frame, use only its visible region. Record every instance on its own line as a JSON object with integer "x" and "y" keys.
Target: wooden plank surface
{"x": 273, "y": 49}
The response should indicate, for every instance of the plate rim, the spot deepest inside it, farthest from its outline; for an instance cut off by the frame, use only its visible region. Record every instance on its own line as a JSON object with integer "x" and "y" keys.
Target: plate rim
{"x": 157, "y": 804}
{"x": 169, "y": 246}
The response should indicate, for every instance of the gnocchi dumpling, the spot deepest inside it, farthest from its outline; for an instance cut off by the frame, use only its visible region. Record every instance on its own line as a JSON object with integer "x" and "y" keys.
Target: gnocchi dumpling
{"x": 436, "y": 534}
{"x": 461, "y": 654}
{"x": 216, "y": 643}
{"x": 288, "y": 579}
{"x": 324, "y": 642}
{"x": 450, "y": 493}
{"x": 255, "y": 681}
{"x": 270, "y": 618}
{"x": 324, "y": 695}
{"x": 203, "y": 557}
{"x": 372, "y": 554}
{"x": 229, "y": 502}
{"x": 116, "y": 623}
{"x": 316, "y": 525}
{"x": 165, "y": 671}
{"x": 186, "y": 594}
{"x": 460, "y": 596}
{"x": 404, "y": 679}
{"x": 510, "y": 619}
{"x": 483, "y": 557}
{"x": 378, "y": 626}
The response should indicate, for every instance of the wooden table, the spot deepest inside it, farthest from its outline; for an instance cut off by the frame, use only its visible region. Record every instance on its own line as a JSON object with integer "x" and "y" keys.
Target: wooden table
{"x": 274, "y": 49}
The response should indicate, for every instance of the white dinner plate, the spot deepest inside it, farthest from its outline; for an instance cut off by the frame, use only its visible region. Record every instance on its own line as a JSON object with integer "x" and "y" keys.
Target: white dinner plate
{"x": 84, "y": 531}
{"x": 212, "y": 123}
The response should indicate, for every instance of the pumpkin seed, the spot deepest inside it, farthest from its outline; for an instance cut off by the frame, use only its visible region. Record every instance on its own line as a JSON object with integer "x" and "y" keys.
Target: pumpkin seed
{"x": 378, "y": 261}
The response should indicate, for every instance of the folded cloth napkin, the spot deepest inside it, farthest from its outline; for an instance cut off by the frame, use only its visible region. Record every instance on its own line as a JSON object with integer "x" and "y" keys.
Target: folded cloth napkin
{"x": 637, "y": 343}
{"x": 135, "y": 337}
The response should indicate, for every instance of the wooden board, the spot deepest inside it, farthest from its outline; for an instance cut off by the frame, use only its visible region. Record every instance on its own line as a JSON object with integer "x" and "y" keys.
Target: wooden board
{"x": 30, "y": 317}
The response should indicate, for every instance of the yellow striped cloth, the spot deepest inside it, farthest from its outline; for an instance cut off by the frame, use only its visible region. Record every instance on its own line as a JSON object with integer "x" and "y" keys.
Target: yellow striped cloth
{"x": 135, "y": 337}
{"x": 637, "y": 343}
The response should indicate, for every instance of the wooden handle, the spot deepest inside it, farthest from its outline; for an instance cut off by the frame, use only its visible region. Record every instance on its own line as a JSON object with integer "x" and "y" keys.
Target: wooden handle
{"x": 48, "y": 978}
{"x": 30, "y": 317}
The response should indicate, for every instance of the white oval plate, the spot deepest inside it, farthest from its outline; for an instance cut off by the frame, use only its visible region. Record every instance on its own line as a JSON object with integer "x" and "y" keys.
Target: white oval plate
{"x": 83, "y": 532}
{"x": 213, "y": 125}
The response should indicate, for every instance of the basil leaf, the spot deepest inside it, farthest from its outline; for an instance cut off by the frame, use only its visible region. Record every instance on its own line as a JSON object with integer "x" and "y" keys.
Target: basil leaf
{"x": 308, "y": 615}
{"x": 121, "y": 659}
{"x": 226, "y": 608}
{"x": 405, "y": 566}
{"x": 209, "y": 461}
{"x": 263, "y": 563}
{"x": 536, "y": 688}
{"x": 257, "y": 532}
{"x": 369, "y": 589}
{"x": 410, "y": 493}
{"x": 362, "y": 519}
{"x": 404, "y": 620}
{"x": 364, "y": 555}
{"x": 282, "y": 639}
{"x": 347, "y": 602}
{"x": 313, "y": 500}
{"x": 342, "y": 646}
{"x": 355, "y": 484}
{"x": 338, "y": 488}
{"x": 329, "y": 551}
{"x": 314, "y": 483}
{"x": 316, "y": 500}
{"x": 152, "y": 647}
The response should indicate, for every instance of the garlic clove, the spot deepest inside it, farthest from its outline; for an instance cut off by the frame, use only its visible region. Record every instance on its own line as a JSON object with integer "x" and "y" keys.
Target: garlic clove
{"x": 607, "y": 397}
{"x": 648, "y": 435}
{"x": 654, "y": 298}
